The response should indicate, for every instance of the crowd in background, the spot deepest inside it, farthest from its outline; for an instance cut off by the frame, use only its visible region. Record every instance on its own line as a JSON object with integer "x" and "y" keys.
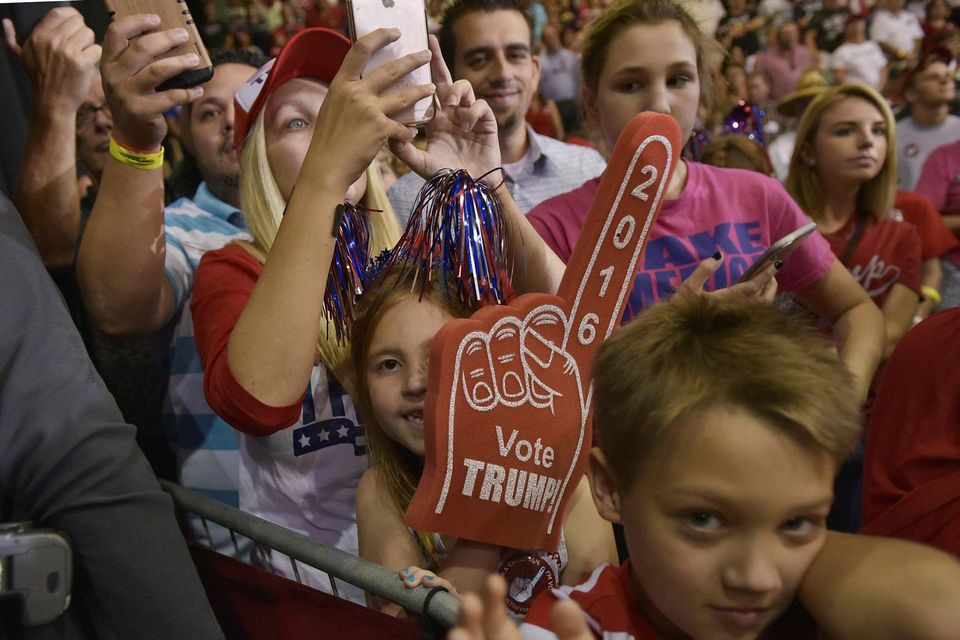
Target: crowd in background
{"x": 839, "y": 111}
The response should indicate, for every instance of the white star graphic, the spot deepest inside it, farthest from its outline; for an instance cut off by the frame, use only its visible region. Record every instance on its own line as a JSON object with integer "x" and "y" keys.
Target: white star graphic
{"x": 304, "y": 441}
{"x": 343, "y": 431}
{"x": 324, "y": 435}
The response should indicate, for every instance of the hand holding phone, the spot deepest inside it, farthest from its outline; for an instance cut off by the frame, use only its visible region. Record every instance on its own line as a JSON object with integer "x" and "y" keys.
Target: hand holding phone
{"x": 173, "y": 14}
{"x": 779, "y": 250}
{"x": 410, "y": 17}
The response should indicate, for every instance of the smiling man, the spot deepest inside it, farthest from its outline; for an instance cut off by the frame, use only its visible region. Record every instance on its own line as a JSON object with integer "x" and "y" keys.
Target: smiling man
{"x": 489, "y": 43}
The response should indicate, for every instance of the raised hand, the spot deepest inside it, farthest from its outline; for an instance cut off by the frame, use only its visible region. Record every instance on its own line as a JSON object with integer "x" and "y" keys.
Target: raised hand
{"x": 354, "y": 121}
{"x": 461, "y": 135}
{"x": 762, "y": 285}
{"x": 60, "y": 57}
{"x": 132, "y": 67}
{"x": 485, "y": 617}
{"x": 508, "y": 401}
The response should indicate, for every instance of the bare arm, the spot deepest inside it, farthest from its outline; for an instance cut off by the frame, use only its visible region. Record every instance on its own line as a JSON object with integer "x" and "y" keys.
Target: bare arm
{"x": 858, "y": 325}
{"x": 878, "y": 588}
{"x": 382, "y": 536}
{"x": 931, "y": 275}
{"x": 556, "y": 119}
{"x": 386, "y": 540}
{"x": 898, "y": 311}
{"x": 272, "y": 347}
{"x": 120, "y": 264}
{"x": 840, "y": 75}
{"x": 60, "y": 57}
{"x": 884, "y": 74}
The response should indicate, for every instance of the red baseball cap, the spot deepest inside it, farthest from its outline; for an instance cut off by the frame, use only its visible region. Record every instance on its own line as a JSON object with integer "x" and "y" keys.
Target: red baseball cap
{"x": 311, "y": 53}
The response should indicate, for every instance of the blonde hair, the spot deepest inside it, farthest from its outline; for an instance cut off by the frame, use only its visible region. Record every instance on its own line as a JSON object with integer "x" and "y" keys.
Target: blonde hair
{"x": 263, "y": 205}
{"x": 399, "y": 467}
{"x": 686, "y": 357}
{"x": 876, "y": 195}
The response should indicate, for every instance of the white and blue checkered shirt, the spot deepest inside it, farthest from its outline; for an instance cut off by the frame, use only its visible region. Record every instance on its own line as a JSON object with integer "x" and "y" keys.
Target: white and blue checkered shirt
{"x": 547, "y": 169}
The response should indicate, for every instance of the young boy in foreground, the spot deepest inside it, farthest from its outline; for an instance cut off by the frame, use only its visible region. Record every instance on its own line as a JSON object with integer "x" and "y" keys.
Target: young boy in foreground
{"x": 721, "y": 426}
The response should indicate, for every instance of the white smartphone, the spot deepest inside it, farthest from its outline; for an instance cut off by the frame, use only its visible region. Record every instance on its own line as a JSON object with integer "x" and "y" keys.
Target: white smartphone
{"x": 779, "y": 250}
{"x": 410, "y": 16}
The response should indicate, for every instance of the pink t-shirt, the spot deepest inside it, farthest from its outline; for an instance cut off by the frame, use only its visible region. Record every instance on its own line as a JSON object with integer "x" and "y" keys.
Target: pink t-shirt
{"x": 737, "y": 212}
{"x": 940, "y": 178}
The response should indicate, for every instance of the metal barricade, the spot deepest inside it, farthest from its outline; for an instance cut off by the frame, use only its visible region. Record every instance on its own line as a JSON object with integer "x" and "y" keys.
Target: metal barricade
{"x": 439, "y": 608}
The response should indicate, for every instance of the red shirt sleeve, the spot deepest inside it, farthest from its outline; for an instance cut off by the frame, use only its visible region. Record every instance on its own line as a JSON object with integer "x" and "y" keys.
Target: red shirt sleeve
{"x": 223, "y": 284}
{"x": 936, "y": 238}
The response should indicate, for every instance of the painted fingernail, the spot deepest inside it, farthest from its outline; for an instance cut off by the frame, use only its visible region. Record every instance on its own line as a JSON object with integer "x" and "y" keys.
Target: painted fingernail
{"x": 406, "y": 571}
{"x": 717, "y": 256}
{"x": 778, "y": 264}
{"x": 410, "y": 579}
{"x": 428, "y": 578}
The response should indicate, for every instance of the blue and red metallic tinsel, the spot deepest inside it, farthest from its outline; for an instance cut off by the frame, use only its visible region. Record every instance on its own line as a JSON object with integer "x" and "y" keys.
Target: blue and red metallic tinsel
{"x": 348, "y": 269}
{"x": 457, "y": 231}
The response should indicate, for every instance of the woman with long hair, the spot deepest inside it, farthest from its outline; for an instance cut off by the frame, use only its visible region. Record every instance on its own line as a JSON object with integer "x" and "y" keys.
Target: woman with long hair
{"x": 843, "y": 174}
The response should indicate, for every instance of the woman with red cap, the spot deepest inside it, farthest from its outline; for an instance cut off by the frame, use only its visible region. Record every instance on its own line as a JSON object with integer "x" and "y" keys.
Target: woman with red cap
{"x": 309, "y": 128}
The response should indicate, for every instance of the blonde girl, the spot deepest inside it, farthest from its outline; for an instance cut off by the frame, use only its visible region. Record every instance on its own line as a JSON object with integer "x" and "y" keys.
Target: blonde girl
{"x": 843, "y": 174}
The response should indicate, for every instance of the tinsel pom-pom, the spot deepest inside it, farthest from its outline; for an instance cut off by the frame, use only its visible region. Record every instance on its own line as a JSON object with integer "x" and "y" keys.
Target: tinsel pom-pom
{"x": 745, "y": 119}
{"x": 348, "y": 269}
{"x": 457, "y": 230}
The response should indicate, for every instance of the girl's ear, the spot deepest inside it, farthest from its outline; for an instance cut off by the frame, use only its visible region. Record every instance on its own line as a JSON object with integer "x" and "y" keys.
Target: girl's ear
{"x": 606, "y": 496}
{"x": 807, "y": 155}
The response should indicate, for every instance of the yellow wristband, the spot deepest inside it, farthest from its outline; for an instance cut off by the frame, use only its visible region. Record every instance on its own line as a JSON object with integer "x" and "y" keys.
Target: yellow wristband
{"x": 931, "y": 294}
{"x": 136, "y": 159}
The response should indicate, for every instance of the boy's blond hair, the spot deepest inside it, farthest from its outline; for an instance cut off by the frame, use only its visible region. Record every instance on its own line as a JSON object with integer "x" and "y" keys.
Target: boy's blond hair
{"x": 695, "y": 353}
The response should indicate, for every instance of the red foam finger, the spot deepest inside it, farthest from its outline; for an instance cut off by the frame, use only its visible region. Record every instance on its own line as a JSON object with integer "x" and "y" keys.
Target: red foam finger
{"x": 600, "y": 273}
{"x": 500, "y": 468}
{"x": 508, "y": 370}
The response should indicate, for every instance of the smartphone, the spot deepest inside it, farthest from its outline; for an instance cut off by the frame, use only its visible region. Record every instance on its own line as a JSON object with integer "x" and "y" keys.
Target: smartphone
{"x": 173, "y": 14}
{"x": 410, "y": 16}
{"x": 779, "y": 250}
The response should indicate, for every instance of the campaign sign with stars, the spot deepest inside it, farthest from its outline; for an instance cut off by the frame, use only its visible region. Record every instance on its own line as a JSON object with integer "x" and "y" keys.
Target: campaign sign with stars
{"x": 507, "y": 415}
